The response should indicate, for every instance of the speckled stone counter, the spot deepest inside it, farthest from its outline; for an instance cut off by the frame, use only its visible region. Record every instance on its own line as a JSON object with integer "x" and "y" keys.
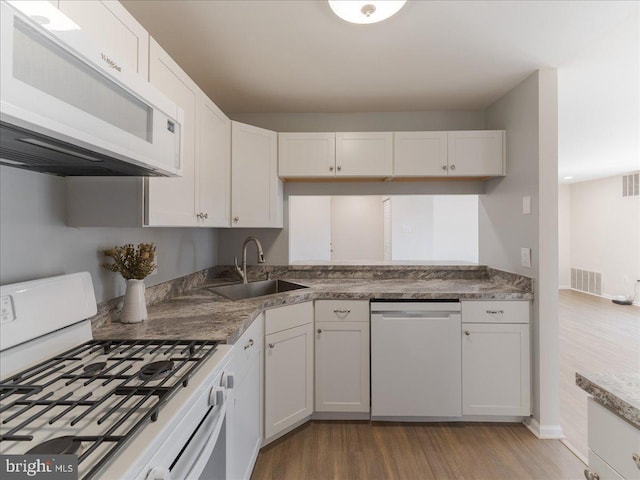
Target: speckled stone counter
{"x": 200, "y": 313}
{"x": 620, "y": 392}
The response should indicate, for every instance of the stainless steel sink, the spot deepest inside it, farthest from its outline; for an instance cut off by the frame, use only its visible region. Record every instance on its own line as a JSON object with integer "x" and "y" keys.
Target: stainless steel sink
{"x": 241, "y": 291}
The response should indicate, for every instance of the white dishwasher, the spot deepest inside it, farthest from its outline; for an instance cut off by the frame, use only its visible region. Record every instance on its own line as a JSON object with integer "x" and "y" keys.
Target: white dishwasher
{"x": 415, "y": 360}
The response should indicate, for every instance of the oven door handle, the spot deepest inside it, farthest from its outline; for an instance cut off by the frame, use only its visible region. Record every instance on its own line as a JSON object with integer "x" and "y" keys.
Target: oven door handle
{"x": 187, "y": 465}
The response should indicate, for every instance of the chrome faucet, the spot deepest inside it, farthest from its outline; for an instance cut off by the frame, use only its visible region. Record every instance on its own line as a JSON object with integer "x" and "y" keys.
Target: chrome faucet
{"x": 243, "y": 271}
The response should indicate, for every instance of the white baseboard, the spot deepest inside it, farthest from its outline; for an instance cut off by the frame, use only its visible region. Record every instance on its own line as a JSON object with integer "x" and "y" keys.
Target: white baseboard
{"x": 275, "y": 437}
{"x": 564, "y": 287}
{"x": 604, "y": 295}
{"x": 341, "y": 416}
{"x": 543, "y": 432}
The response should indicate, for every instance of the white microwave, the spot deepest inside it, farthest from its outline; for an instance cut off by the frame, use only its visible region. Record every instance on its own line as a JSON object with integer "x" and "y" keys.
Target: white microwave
{"x": 70, "y": 108}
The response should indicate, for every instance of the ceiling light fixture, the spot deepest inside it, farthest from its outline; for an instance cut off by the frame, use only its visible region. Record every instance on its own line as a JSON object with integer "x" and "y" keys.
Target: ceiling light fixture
{"x": 567, "y": 178}
{"x": 366, "y": 11}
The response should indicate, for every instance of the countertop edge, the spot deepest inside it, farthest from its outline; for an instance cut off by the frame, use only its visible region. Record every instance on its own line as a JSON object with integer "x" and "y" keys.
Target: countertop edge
{"x": 609, "y": 400}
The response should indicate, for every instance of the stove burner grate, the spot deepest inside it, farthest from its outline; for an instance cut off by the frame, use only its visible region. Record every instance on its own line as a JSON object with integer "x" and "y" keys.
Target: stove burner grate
{"x": 94, "y": 368}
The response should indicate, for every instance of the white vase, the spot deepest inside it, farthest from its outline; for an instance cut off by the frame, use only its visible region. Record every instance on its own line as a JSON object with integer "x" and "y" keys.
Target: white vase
{"x": 134, "y": 309}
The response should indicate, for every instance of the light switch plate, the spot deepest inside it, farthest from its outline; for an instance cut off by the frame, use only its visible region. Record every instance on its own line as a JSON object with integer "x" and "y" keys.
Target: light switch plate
{"x": 525, "y": 256}
{"x": 526, "y": 205}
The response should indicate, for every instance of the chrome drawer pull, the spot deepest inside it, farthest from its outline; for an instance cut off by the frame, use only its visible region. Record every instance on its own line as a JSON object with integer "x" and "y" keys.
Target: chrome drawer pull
{"x": 271, "y": 345}
{"x": 319, "y": 330}
{"x": 467, "y": 333}
{"x": 341, "y": 311}
{"x": 636, "y": 458}
{"x": 495, "y": 312}
{"x": 589, "y": 475}
{"x": 249, "y": 345}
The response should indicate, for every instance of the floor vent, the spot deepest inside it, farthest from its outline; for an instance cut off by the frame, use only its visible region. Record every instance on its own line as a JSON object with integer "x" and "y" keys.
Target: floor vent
{"x": 585, "y": 281}
{"x": 631, "y": 185}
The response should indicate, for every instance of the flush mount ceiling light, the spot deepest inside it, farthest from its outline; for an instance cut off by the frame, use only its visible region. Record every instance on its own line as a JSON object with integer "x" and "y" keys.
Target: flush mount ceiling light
{"x": 363, "y": 11}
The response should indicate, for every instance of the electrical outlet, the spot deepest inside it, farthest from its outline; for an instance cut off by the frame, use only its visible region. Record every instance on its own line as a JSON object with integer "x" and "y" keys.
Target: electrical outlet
{"x": 6, "y": 309}
{"x": 525, "y": 257}
{"x": 526, "y": 205}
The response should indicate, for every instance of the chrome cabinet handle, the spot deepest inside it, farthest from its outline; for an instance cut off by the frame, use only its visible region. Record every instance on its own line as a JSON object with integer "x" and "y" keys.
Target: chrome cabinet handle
{"x": 331, "y": 168}
{"x": 319, "y": 330}
{"x": 452, "y": 167}
{"x": 339, "y": 168}
{"x": 202, "y": 215}
{"x": 345, "y": 311}
{"x": 271, "y": 345}
{"x": 495, "y": 312}
{"x": 236, "y": 219}
{"x": 636, "y": 458}
{"x": 444, "y": 167}
{"x": 249, "y": 344}
{"x": 589, "y": 475}
{"x": 467, "y": 333}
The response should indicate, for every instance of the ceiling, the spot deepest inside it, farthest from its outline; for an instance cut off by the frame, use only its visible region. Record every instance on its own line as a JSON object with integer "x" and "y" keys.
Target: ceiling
{"x": 297, "y": 56}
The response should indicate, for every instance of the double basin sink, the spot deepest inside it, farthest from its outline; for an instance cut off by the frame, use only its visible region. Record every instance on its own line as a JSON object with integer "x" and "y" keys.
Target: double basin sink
{"x": 242, "y": 291}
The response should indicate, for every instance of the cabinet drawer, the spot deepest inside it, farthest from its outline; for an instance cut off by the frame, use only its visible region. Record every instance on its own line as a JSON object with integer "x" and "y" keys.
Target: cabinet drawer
{"x": 287, "y": 317}
{"x": 342, "y": 311}
{"x": 248, "y": 348}
{"x": 613, "y": 439}
{"x": 491, "y": 311}
{"x": 599, "y": 467}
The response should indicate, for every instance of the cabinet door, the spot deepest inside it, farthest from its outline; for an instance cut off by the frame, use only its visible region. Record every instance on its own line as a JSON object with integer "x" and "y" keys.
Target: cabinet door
{"x": 256, "y": 190}
{"x": 364, "y": 154}
{"x": 495, "y": 369}
{"x": 288, "y": 378}
{"x": 213, "y": 168}
{"x": 476, "y": 153}
{"x": 172, "y": 201}
{"x": 306, "y": 154}
{"x": 342, "y": 367}
{"x": 420, "y": 154}
{"x": 114, "y": 29}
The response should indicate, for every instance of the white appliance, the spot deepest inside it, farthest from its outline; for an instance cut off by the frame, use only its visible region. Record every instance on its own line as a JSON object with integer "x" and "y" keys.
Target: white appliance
{"x": 415, "y": 360}
{"x": 128, "y": 409}
{"x": 69, "y": 108}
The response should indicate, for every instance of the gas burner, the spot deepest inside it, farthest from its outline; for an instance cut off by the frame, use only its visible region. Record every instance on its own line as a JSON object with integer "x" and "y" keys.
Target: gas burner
{"x": 94, "y": 368}
{"x": 156, "y": 370}
{"x": 57, "y": 446}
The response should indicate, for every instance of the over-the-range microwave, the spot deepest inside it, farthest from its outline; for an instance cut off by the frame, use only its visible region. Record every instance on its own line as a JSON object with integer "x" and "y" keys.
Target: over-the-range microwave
{"x": 71, "y": 108}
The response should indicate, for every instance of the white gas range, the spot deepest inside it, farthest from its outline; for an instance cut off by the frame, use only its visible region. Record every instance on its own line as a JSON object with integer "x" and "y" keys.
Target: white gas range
{"x": 143, "y": 409}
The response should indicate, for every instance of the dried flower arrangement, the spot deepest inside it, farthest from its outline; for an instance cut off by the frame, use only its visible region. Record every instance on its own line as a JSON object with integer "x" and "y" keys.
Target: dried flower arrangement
{"x": 130, "y": 262}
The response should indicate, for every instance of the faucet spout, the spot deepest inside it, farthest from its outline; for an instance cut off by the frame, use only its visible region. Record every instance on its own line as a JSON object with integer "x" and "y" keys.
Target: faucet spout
{"x": 246, "y": 243}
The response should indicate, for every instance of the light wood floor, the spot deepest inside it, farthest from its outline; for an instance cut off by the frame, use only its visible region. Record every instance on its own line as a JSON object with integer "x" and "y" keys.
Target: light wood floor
{"x": 397, "y": 451}
{"x": 596, "y": 335}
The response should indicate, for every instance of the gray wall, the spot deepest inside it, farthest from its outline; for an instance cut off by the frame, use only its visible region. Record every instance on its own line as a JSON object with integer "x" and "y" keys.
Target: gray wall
{"x": 35, "y": 241}
{"x": 528, "y": 113}
{"x": 276, "y": 242}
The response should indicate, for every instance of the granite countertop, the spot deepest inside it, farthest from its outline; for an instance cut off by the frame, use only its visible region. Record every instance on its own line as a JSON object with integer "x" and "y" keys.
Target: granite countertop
{"x": 201, "y": 314}
{"x": 619, "y": 392}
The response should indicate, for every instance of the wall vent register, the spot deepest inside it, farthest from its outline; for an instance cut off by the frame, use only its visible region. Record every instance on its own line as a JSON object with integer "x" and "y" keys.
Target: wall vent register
{"x": 631, "y": 185}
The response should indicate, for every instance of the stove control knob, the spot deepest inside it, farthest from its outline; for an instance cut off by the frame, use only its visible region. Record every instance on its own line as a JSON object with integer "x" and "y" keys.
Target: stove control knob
{"x": 227, "y": 379}
{"x": 216, "y": 396}
{"x": 158, "y": 473}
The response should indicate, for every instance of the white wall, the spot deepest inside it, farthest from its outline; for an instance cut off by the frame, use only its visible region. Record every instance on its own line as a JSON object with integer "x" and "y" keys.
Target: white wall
{"x": 310, "y": 229}
{"x": 599, "y": 106}
{"x": 605, "y": 233}
{"x": 412, "y": 227}
{"x": 356, "y": 228}
{"x": 564, "y": 236}
{"x": 35, "y": 241}
{"x": 455, "y": 227}
{"x": 528, "y": 113}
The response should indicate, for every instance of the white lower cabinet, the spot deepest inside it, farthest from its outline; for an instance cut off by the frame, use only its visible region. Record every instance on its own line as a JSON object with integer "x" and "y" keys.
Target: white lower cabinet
{"x": 495, "y": 359}
{"x": 614, "y": 445}
{"x": 288, "y": 367}
{"x": 342, "y": 356}
{"x": 244, "y": 435}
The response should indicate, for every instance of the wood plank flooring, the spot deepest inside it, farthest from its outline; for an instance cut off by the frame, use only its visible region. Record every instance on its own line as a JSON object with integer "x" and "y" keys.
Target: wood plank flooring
{"x": 411, "y": 451}
{"x": 596, "y": 335}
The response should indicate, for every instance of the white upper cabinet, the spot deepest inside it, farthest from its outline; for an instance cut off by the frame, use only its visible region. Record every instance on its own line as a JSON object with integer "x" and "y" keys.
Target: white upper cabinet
{"x": 172, "y": 201}
{"x": 256, "y": 190}
{"x": 114, "y": 29}
{"x": 364, "y": 154}
{"x": 213, "y": 166}
{"x": 306, "y": 155}
{"x": 476, "y": 153}
{"x": 420, "y": 154}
